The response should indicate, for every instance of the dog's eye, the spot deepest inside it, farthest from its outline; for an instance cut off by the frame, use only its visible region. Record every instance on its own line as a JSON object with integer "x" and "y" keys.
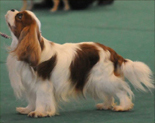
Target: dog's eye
{"x": 19, "y": 15}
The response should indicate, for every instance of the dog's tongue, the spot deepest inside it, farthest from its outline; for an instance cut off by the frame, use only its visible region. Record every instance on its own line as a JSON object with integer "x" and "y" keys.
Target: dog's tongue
{"x": 4, "y": 35}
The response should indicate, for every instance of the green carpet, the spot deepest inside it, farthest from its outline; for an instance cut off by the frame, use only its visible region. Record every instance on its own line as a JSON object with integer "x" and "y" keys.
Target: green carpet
{"x": 126, "y": 26}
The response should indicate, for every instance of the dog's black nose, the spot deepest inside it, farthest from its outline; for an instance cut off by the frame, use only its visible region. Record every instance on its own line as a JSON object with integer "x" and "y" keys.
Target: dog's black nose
{"x": 12, "y": 10}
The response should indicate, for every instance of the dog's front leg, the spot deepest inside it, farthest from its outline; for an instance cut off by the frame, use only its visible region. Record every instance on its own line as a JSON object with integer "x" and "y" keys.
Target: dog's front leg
{"x": 45, "y": 100}
{"x": 31, "y": 98}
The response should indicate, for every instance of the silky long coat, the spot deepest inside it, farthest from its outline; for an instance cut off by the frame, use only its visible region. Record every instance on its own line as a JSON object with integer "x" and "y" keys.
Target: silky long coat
{"x": 45, "y": 72}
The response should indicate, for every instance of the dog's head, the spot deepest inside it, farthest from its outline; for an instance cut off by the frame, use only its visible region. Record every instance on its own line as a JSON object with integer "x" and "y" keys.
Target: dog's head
{"x": 17, "y": 21}
{"x": 25, "y": 27}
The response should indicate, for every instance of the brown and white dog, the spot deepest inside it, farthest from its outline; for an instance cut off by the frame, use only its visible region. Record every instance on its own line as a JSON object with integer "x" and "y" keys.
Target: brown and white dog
{"x": 45, "y": 72}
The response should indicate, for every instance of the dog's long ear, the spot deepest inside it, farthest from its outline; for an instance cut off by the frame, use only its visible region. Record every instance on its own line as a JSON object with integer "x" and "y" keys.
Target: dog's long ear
{"x": 29, "y": 48}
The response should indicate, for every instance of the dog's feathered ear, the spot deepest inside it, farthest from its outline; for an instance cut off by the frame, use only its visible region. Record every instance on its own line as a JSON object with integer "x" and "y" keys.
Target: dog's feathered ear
{"x": 29, "y": 49}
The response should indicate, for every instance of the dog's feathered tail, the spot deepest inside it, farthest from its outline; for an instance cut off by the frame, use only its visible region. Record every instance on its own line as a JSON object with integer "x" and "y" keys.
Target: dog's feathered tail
{"x": 138, "y": 73}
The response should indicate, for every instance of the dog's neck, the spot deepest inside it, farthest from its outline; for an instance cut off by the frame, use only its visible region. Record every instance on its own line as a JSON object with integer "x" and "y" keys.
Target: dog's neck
{"x": 48, "y": 51}
{"x": 14, "y": 41}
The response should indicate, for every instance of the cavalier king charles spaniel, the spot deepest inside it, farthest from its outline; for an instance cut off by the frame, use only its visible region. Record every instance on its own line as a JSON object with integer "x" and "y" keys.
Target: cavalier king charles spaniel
{"x": 44, "y": 72}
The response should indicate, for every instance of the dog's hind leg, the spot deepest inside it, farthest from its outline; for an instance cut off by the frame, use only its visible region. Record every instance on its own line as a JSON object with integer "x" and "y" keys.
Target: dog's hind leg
{"x": 107, "y": 104}
{"x": 125, "y": 102}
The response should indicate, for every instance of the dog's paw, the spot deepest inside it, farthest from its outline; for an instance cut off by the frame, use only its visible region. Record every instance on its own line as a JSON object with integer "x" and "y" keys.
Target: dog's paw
{"x": 120, "y": 108}
{"x": 36, "y": 114}
{"x": 102, "y": 106}
{"x": 23, "y": 110}
{"x": 50, "y": 114}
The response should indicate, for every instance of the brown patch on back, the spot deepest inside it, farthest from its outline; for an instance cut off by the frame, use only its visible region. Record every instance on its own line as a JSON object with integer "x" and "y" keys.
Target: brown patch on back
{"x": 114, "y": 57}
{"x": 87, "y": 56}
